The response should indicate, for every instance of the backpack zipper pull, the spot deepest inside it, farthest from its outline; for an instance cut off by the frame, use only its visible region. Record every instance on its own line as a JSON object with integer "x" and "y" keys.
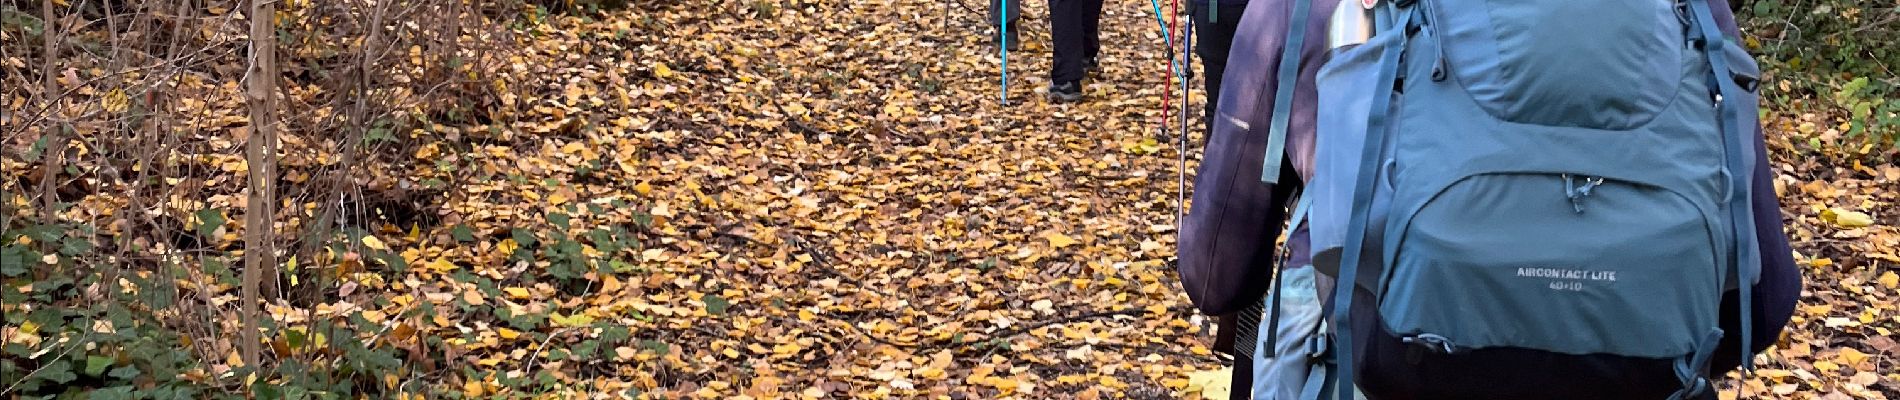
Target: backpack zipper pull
{"x": 1576, "y": 194}
{"x": 1434, "y": 343}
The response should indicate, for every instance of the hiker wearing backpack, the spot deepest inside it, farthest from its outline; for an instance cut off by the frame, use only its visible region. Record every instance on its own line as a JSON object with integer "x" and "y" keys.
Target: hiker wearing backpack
{"x": 1228, "y": 260}
{"x": 1547, "y": 209}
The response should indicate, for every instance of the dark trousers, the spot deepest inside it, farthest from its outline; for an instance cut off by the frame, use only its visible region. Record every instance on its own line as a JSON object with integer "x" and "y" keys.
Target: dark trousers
{"x": 1014, "y": 13}
{"x": 1212, "y": 40}
{"x": 1075, "y": 27}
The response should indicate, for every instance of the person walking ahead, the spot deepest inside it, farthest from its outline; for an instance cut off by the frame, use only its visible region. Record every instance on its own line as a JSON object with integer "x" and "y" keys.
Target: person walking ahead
{"x": 1075, "y": 27}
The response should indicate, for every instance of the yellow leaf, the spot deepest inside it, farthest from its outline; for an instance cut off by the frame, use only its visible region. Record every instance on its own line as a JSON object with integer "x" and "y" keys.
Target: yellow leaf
{"x": 1846, "y": 218}
{"x": 506, "y": 333}
{"x": 371, "y": 241}
{"x": 643, "y": 188}
{"x": 1890, "y": 280}
{"x": 1004, "y": 384}
{"x": 1150, "y": 146}
{"x": 557, "y": 198}
{"x": 374, "y": 316}
{"x": 291, "y": 265}
{"x": 507, "y": 247}
{"x": 441, "y": 265}
{"x": 1059, "y": 240}
{"x": 517, "y": 293}
{"x": 472, "y": 389}
{"x": 661, "y": 70}
{"x": 570, "y": 321}
{"x": 1852, "y": 357}
{"x": 1212, "y": 384}
{"x": 115, "y": 101}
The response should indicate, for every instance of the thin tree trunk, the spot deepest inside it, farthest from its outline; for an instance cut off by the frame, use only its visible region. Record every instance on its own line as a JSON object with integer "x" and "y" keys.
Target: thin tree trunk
{"x": 51, "y": 40}
{"x": 55, "y": 149}
{"x": 260, "y": 153}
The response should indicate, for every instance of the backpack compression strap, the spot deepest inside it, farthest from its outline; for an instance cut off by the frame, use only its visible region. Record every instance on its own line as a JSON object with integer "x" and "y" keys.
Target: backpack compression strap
{"x": 1287, "y": 79}
{"x": 1747, "y": 254}
{"x": 1362, "y": 195}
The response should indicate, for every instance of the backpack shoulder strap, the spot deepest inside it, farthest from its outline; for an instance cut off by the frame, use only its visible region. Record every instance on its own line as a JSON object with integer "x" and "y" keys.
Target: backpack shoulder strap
{"x": 1747, "y": 260}
{"x": 1288, "y": 77}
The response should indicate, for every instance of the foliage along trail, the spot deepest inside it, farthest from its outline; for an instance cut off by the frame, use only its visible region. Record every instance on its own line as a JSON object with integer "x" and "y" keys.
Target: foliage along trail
{"x": 828, "y": 199}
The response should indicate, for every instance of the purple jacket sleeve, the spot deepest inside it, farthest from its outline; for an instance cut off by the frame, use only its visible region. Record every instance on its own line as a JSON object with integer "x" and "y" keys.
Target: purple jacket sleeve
{"x": 1235, "y": 221}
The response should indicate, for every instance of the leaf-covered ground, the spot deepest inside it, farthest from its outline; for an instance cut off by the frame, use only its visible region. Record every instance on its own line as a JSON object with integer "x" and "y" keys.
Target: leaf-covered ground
{"x": 832, "y": 201}
{"x": 779, "y": 199}
{"x": 836, "y": 203}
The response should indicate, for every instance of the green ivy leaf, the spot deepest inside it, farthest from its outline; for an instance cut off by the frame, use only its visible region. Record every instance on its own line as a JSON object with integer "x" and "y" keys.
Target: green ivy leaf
{"x": 114, "y": 393}
{"x": 15, "y": 258}
{"x": 59, "y": 372}
{"x": 615, "y": 334}
{"x": 715, "y": 305}
{"x": 585, "y": 349}
{"x": 211, "y": 220}
{"x": 524, "y": 237}
{"x": 126, "y": 372}
{"x": 96, "y": 365}
{"x": 462, "y": 233}
{"x": 656, "y": 346}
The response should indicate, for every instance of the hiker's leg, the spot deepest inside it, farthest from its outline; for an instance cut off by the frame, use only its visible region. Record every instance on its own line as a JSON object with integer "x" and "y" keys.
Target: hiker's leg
{"x": 1213, "y": 40}
{"x": 1258, "y": 368}
{"x": 1069, "y": 21}
{"x": 1013, "y": 14}
{"x": 1094, "y": 38}
{"x": 998, "y": 15}
{"x": 1279, "y": 372}
{"x": 1245, "y": 348}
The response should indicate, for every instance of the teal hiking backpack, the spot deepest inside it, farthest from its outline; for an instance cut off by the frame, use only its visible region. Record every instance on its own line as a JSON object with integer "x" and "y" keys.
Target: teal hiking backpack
{"x": 1542, "y": 198}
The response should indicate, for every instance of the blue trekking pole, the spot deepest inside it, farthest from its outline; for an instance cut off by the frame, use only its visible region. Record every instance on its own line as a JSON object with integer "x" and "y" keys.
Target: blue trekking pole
{"x": 1005, "y": 49}
{"x": 1165, "y": 34}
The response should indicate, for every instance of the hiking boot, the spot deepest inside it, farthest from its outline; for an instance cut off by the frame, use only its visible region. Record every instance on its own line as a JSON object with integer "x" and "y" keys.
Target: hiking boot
{"x": 1013, "y": 41}
{"x": 1066, "y": 92}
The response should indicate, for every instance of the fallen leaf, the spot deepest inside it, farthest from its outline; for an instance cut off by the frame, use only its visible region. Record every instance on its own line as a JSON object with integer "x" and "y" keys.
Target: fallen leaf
{"x": 1847, "y": 218}
{"x": 1059, "y": 240}
{"x": 1212, "y": 384}
{"x": 372, "y": 242}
